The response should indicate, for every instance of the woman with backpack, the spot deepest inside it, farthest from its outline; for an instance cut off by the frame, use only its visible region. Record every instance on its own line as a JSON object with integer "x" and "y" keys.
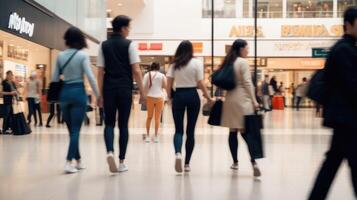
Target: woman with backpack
{"x": 155, "y": 83}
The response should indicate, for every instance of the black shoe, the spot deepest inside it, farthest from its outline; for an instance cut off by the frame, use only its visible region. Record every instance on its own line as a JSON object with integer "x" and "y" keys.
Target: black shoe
{"x": 40, "y": 125}
{"x": 48, "y": 126}
{"x": 99, "y": 124}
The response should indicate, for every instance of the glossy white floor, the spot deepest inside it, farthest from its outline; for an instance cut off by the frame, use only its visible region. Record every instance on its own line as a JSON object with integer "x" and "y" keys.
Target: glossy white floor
{"x": 31, "y": 166}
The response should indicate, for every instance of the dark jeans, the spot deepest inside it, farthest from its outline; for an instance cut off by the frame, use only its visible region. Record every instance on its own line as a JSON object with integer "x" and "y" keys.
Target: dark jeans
{"x": 233, "y": 146}
{"x": 53, "y": 108}
{"x": 73, "y": 105}
{"x": 117, "y": 102}
{"x": 7, "y": 117}
{"x": 185, "y": 99}
{"x": 298, "y": 102}
{"x": 343, "y": 146}
{"x": 34, "y": 109}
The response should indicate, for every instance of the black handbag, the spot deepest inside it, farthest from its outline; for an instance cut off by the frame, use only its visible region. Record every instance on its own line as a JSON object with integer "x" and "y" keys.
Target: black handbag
{"x": 19, "y": 125}
{"x": 224, "y": 77}
{"x": 55, "y": 88}
{"x": 253, "y": 135}
{"x": 317, "y": 89}
{"x": 216, "y": 114}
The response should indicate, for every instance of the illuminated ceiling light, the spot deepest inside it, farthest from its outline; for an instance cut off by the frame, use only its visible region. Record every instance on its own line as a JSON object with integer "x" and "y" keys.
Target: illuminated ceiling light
{"x": 109, "y": 10}
{"x": 120, "y": 4}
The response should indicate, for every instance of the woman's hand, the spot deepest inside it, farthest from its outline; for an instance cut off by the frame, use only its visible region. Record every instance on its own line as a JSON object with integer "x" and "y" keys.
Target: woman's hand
{"x": 256, "y": 106}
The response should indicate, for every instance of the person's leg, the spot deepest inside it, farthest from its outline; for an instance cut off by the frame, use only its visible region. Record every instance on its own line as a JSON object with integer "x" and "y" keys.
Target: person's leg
{"x": 193, "y": 110}
{"x": 329, "y": 167}
{"x": 39, "y": 112}
{"x": 59, "y": 114}
{"x": 233, "y": 144}
{"x": 76, "y": 113}
{"x": 52, "y": 114}
{"x": 298, "y": 101}
{"x": 150, "y": 102}
{"x": 178, "y": 112}
{"x": 159, "y": 106}
{"x": 124, "y": 107}
{"x": 7, "y": 116}
{"x": 352, "y": 157}
{"x": 266, "y": 102}
{"x": 30, "y": 109}
{"x": 110, "y": 116}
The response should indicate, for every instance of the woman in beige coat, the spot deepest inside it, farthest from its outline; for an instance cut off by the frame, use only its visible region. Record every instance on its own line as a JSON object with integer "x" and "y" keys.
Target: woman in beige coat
{"x": 240, "y": 101}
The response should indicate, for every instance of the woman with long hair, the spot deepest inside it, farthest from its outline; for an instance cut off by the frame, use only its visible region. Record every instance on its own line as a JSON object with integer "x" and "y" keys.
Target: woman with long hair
{"x": 240, "y": 101}
{"x": 74, "y": 65}
{"x": 155, "y": 83}
{"x": 187, "y": 73}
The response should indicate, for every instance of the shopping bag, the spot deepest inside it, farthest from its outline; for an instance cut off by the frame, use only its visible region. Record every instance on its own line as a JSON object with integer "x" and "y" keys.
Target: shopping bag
{"x": 216, "y": 114}
{"x": 17, "y": 108}
{"x": 19, "y": 125}
{"x": 253, "y": 135}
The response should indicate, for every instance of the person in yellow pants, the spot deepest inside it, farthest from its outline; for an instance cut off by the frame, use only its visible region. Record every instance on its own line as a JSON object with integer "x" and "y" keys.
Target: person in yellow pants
{"x": 155, "y": 83}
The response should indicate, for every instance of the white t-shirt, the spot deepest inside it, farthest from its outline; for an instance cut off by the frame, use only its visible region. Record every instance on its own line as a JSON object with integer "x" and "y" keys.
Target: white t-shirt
{"x": 187, "y": 76}
{"x": 156, "y": 89}
{"x": 133, "y": 55}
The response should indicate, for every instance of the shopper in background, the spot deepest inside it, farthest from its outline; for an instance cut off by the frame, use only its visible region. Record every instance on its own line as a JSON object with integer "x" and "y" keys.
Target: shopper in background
{"x": 155, "y": 83}
{"x": 266, "y": 93}
{"x": 292, "y": 91}
{"x": 118, "y": 62}
{"x": 73, "y": 96}
{"x": 9, "y": 92}
{"x": 33, "y": 99}
{"x": 340, "y": 109}
{"x": 54, "y": 108}
{"x": 240, "y": 101}
{"x": 281, "y": 92}
{"x": 274, "y": 85}
{"x": 300, "y": 92}
{"x": 187, "y": 74}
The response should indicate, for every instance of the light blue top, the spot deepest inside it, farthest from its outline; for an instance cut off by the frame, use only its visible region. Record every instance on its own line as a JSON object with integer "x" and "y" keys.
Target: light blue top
{"x": 76, "y": 69}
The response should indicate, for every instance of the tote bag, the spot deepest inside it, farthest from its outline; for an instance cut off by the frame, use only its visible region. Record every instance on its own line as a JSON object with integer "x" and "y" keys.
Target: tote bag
{"x": 225, "y": 78}
{"x": 55, "y": 88}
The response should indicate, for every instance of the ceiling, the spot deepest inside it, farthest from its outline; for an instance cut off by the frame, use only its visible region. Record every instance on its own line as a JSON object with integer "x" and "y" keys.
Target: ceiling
{"x": 117, "y": 7}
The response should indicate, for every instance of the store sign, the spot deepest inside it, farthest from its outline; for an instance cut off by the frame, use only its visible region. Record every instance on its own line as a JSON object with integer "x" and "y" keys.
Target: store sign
{"x": 311, "y": 31}
{"x": 320, "y": 52}
{"x": 150, "y": 46}
{"x": 20, "y": 24}
{"x": 197, "y": 47}
{"x": 245, "y": 31}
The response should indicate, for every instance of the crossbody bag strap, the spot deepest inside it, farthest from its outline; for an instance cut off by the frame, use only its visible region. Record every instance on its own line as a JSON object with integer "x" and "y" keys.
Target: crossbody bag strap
{"x": 65, "y": 64}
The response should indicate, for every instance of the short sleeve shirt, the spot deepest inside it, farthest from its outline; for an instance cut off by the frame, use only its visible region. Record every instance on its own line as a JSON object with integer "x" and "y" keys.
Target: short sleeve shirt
{"x": 187, "y": 76}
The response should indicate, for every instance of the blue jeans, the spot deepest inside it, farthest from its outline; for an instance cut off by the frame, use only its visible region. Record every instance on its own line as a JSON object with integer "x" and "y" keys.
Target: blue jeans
{"x": 185, "y": 99}
{"x": 73, "y": 104}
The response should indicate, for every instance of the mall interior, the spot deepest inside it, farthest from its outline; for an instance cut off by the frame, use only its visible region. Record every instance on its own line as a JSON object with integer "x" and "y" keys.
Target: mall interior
{"x": 290, "y": 36}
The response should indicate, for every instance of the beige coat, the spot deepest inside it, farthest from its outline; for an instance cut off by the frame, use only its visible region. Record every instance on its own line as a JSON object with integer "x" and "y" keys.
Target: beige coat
{"x": 239, "y": 101}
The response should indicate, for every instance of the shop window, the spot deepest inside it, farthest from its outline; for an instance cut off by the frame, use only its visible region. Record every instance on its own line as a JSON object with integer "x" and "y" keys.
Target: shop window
{"x": 310, "y": 9}
{"x": 222, "y": 8}
{"x": 270, "y": 9}
{"x": 343, "y": 5}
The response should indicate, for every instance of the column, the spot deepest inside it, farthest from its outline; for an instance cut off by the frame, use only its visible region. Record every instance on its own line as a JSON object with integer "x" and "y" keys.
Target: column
{"x": 285, "y": 8}
{"x": 335, "y": 3}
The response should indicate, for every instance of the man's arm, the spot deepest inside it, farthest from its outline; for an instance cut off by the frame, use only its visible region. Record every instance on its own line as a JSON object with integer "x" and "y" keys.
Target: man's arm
{"x": 138, "y": 78}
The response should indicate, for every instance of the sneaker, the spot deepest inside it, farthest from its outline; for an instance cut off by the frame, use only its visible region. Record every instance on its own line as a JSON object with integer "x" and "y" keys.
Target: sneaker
{"x": 80, "y": 166}
{"x": 69, "y": 169}
{"x": 234, "y": 166}
{"x": 178, "y": 163}
{"x": 123, "y": 167}
{"x": 156, "y": 139}
{"x": 111, "y": 162}
{"x": 256, "y": 171}
{"x": 187, "y": 168}
{"x": 147, "y": 140}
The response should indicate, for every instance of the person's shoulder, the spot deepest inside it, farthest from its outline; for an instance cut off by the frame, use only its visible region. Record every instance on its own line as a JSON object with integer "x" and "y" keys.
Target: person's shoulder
{"x": 197, "y": 62}
{"x": 82, "y": 54}
{"x": 340, "y": 46}
{"x": 241, "y": 60}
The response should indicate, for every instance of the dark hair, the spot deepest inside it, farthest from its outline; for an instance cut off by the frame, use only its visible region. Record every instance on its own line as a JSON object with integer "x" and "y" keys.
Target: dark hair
{"x": 75, "y": 38}
{"x": 8, "y": 72}
{"x": 234, "y": 52}
{"x": 155, "y": 66}
{"x": 304, "y": 79}
{"x": 349, "y": 16}
{"x": 119, "y": 22}
{"x": 183, "y": 55}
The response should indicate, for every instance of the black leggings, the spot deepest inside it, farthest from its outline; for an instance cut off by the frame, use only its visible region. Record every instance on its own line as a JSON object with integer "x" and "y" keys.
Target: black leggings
{"x": 34, "y": 109}
{"x": 233, "y": 146}
{"x": 185, "y": 99}
{"x": 53, "y": 108}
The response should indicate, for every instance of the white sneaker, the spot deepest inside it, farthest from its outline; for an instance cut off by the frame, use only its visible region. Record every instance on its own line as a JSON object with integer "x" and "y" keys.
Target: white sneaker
{"x": 234, "y": 166}
{"x": 123, "y": 167}
{"x": 111, "y": 162}
{"x": 80, "y": 166}
{"x": 70, "y": 169}
{"x": 156, "y": 139}
{"x": 147, "y": 140}
{"x": 178, "y": 163}
{"x": 187, "y": 168}
{"x": 256, "y": 171}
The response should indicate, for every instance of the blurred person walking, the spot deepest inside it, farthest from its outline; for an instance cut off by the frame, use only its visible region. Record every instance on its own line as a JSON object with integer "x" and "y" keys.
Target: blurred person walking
{"x": 118, "y": 62}
{"x": 187, "y": 74}
{"x": 155, "y": 82}
{"x": 300, "y": 92}
{"x": 239, "y": 102}
{"x": 9, "y": 92}
{"x": 33, "y": 99}
{"x": 73, "y": 64}
{"x": 340, "y": 108}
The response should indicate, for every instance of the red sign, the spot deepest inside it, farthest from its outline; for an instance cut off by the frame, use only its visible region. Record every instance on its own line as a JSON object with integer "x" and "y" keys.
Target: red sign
{"x": 150, "y": 46}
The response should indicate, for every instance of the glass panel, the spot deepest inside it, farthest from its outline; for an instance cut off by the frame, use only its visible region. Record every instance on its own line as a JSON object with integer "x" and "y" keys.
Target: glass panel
{"x": 310, "y": 9}
{"x": 343, "y": 5}
{"x": 270, "y": 9}
{"x": 246, "y": 13}
{"x": 222, "y": 8}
